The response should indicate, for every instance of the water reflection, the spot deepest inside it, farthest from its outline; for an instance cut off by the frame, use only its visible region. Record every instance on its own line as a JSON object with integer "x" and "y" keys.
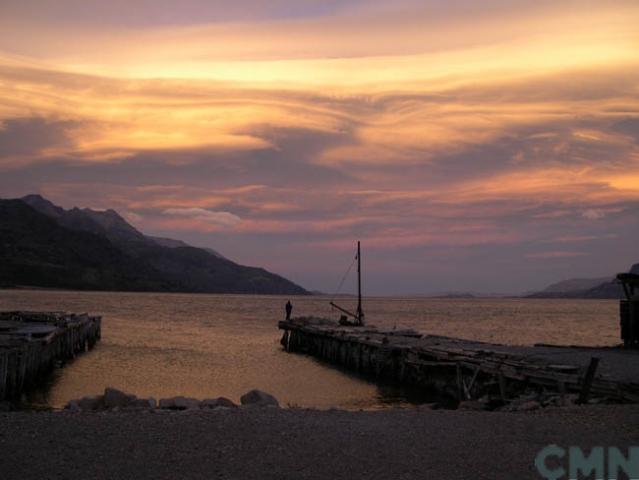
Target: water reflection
{"x": 210, "y": 345}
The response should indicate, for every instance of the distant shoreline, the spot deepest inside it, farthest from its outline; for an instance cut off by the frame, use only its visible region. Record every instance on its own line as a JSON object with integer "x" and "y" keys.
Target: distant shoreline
{"x": 27, "y": 288}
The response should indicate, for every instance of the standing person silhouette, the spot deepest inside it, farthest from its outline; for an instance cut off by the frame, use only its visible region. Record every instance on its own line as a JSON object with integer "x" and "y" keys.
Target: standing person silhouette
{"x": 289, "y": 309}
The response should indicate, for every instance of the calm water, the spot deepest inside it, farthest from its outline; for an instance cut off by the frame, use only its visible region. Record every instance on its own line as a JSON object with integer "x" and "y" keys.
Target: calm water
{"x": 210, "y": 345}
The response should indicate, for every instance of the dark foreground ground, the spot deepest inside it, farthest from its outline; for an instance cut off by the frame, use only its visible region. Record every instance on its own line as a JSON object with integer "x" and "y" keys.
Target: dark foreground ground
{"x": 267, "y": 443}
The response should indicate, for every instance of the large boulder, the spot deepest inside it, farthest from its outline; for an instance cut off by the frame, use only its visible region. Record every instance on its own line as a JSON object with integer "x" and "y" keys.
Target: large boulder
{"x": 259, "y": 398}
{"x": 179, "y": 403}
{"x": 187, "y": 403}
{"x": 117, "y": 398}
{"x": 144, "y": 403}
{"x": 220, "y": 402}
{"x": 73, "y": 406}
{"x": 95, "y": 402}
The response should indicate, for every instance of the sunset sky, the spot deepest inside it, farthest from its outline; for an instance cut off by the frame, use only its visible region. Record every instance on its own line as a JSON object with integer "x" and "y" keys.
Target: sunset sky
{"x": 490, "y": 146}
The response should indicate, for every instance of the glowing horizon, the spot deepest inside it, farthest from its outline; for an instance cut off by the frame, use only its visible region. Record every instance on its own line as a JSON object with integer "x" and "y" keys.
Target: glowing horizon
{"x": 448, "y": 138}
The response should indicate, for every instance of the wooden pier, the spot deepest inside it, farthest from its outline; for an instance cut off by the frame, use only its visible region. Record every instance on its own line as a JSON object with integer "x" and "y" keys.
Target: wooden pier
{"x": 32, "y": 343}
{"x": 465, "y": 369}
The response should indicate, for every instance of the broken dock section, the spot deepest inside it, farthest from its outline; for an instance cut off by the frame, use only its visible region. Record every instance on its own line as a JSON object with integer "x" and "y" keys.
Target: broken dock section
{"x": 465, "y": 369}
{"x": 32, "y": 343}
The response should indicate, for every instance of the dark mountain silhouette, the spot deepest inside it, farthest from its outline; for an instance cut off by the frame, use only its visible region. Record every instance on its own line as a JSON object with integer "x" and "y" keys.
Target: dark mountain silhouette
{"x": 108, "y": 223}
{"x": 37, "y": 251}
{"x": 168, "y": 242}
{"x": 575, "y": 285}
{"x": 46, "y": 246}
{"x": 585, "y": 288}
{"x": 172, "y": 243}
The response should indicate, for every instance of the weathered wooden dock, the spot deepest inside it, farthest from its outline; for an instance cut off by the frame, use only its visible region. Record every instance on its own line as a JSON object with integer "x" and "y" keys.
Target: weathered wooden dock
{"x": 465, "y": 369}
{"x": 32, "y": 343}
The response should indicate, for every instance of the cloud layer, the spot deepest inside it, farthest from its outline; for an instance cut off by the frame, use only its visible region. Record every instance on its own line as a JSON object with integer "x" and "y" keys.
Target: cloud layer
{"x": 492, "y": 148}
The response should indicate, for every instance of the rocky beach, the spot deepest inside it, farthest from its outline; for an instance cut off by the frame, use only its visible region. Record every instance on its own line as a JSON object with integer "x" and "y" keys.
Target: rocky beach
{"x": 280, "y": 443}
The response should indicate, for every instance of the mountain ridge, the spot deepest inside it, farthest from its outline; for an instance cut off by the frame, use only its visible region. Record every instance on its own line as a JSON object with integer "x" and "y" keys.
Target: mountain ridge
{"x": 176, "y": 267}
{"x": 109, "y": 222}
{"x": 596, "y": 288}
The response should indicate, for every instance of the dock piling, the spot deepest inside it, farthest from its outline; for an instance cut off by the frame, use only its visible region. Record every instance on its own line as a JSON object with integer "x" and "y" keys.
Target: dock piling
{"x": 32, "y": 343}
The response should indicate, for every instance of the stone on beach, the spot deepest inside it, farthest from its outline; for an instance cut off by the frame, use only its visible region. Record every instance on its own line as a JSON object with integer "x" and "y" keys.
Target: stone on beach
{"x": 220, "y": 402}
{"x": 259, "y": 398}
{"x": 112, "y": 399}
{"x": 144, "y": 403}
{"x": 95, "y": 402}
{"x": 179, "y": 403}
{"x": 117, "y": 398}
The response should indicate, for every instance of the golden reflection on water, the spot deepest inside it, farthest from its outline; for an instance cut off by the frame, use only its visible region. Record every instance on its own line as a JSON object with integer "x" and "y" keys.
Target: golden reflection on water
{"x": 203, "y": 346}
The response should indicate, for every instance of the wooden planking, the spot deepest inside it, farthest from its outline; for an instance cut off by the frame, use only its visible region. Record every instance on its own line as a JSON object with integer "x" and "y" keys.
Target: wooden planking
{"x": 431, "y": 360}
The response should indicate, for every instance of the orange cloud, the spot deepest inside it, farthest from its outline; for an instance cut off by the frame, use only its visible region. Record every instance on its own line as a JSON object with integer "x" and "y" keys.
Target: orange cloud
{"x": 497, "y": 126}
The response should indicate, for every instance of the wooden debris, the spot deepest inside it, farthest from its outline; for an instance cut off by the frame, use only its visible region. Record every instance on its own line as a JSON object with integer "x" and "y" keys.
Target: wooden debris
{"x": 31, "y": 343}
{"x": 587, "y": 383}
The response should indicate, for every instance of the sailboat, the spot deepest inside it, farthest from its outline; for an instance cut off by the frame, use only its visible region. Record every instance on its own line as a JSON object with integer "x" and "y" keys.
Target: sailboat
{"x": 358, "y": 316}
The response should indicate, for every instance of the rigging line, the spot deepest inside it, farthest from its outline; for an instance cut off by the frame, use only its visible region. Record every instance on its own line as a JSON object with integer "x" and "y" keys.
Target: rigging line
{"x": 341, "y": 283}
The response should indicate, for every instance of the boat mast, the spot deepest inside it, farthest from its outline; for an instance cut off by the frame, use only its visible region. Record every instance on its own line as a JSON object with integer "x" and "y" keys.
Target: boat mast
{"x": 360, "y": 313}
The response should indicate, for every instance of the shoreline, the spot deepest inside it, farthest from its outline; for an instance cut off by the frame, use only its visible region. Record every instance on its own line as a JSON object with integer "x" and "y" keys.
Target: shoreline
{"x": 265, "y": 443}
{"x": 425, "y": 296}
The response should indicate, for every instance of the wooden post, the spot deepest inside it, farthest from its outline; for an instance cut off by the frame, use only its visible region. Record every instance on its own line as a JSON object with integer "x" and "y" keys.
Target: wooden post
{"x": 360, "y": 313}
{"x": 587, "y": 382}
{"x": 284, "y": 340}
{"x": 469, "y": 389}
{"x": 561, "y": 388}
{"x": 503, "y": 391}
{"x": 460, "y": 383}
{"x": 4, "y": 361}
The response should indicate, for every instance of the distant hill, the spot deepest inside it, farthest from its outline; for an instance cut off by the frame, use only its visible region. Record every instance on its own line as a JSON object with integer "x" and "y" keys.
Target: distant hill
{"x": 606, "y": 287}
{"x": 45, "y": 245}
{"x": 453, "y": 295}
{"x": 575, "y": 284}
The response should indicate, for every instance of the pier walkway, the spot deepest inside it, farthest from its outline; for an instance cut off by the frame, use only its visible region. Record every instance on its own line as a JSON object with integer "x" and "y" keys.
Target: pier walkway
{"x": 467, "y": 369}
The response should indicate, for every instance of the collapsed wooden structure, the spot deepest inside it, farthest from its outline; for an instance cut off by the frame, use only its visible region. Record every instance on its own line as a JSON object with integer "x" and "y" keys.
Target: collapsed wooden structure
{"x": 32, "y": 343}
{"x": 465, "y": 369}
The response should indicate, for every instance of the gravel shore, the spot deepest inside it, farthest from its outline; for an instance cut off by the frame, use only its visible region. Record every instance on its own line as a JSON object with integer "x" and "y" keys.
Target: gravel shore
{"x": 271, "y": 443}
